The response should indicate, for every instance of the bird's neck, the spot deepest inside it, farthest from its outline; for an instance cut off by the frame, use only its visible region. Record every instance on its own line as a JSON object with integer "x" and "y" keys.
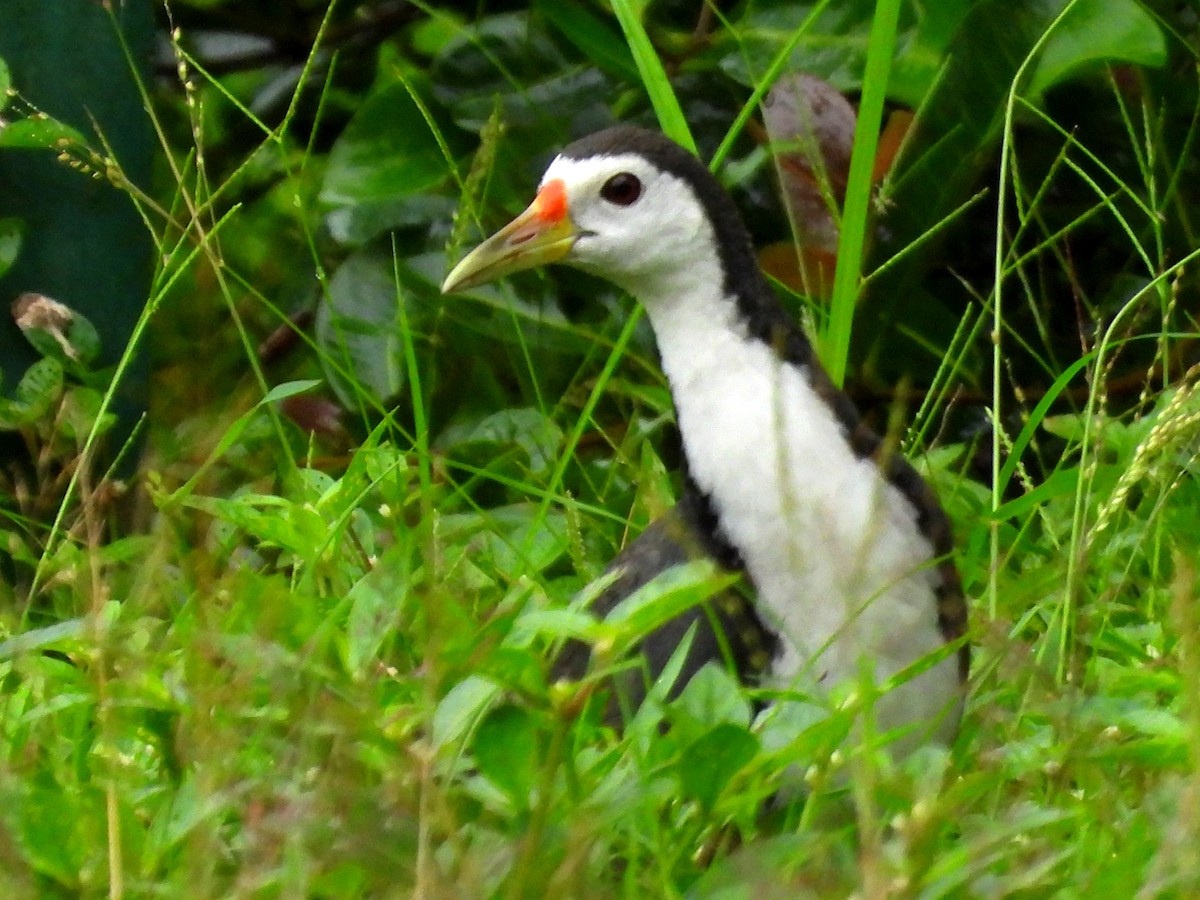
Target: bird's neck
{"x": 805, "y": 512}
{"x": 752, "y": 426}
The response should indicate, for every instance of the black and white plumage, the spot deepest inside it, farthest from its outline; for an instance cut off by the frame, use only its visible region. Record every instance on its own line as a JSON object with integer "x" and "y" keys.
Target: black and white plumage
{"x": 845, "y": 545}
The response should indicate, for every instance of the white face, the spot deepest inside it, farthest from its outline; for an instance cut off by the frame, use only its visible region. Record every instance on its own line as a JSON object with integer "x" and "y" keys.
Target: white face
{"x": 637, "y": 224}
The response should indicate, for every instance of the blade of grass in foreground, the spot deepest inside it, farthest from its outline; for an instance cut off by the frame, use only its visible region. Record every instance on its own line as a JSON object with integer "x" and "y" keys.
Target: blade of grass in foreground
{"x": 654, "y": 76}
{"x": 835, "y": 348}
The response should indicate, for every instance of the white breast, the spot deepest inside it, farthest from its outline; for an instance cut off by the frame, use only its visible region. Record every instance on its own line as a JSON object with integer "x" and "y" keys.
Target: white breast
{"x": 833, "y": 548}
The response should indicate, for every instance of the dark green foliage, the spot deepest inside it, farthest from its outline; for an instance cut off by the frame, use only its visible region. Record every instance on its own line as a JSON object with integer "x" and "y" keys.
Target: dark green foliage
{"x": 82, "y": 240}
{"x": 307, "y": 653}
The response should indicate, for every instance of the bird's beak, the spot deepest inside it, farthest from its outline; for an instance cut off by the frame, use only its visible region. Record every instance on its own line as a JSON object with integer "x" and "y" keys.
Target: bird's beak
{"x": 543, "y": 234}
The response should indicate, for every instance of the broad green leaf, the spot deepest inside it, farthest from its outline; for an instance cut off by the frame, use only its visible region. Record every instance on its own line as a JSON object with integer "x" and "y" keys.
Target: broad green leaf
{"x": 771, "y": 867}
{"x": 297, "y": 528}
{"x": 530, "y": 547}
{"x": 1094, "y": 32}
{"x": 357, "y": 223}
{"x": 56, "y": 330}
{"x": 40, "y": 638}
{"x": 80, "y": 408}
{"x": 709, "y": 764}
{"x": 920, "y": 58}
{"x": 460, "y": 709}
{"x": 38, "y": 390}
{"x": 181, "y": 812}
{"x": 375, "y": 604}
{"x": 5, "y": 84}
{"x": 432, "y": 34}
{"x": 714, "y": 697}
{"x": 647, "y": 720}
{"x": 833, "y": 47}
{"x": 39, "y": 132}
{"x": 557, "y": 624}
{"x": 387, "y": 151}
{"x": 509, "y": 64}
{"x": 665, "y": 597}
{"x": 358, "y": 331}
{"x": 51, "y": 821}
{"x": 505, "y": 748}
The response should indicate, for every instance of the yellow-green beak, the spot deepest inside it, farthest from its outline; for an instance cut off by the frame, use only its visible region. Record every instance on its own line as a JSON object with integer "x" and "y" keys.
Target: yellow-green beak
{"x": 542, "y": 234}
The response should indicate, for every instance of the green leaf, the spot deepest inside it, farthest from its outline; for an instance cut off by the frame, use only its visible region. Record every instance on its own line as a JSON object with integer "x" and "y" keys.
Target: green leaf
{"x": 665, "y": 597}
{"x": 387, "y": 151}
{"x": 461, "y": 708}
{"x": 56, "y": 330}
{"x": 358, "y": 331}
{"x": 11, "y": 231}
{"x": 556, "y": 624}
{"x": 920, "y": 58}
{"x": 510, "y": 68}
{"x": 592, "y": 36}
{"x": 358, "y": 223}
{"x": 180, "y": 814}
{"x": 1094, "y": 32}
{"x": 39, "y": 132}
{"x": 647, "y": 720}
{"x": 713, "y": 697}
{"x": 506, "y": 751}
{"x": 80, "y": 409}
{"x": 39, "y": 388}
{"x": 289, "y": 389}
{"x": 831, "y": 47}
{"x": 5, "y": 85}
{"x": 54, "y": 635}
{"x": 535, "y": 434}
{"x": 431, "y": 35}
{"x": 51, "y": 820}
{"x": 709, "y": 764}
{"x": 374, "y": 613}
{"x": 529, "y": 546}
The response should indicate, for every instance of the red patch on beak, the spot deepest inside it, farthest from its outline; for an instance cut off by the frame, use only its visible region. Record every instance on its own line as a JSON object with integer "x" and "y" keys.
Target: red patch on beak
{"x": 550, "y": 204}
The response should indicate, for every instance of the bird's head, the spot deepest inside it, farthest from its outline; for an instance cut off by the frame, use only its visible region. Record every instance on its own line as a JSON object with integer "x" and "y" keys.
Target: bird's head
{"x": 625, "y": 203}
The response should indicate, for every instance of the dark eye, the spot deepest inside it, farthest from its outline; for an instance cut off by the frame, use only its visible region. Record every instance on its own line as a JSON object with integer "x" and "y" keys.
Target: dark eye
{"x": 623, "y": 189}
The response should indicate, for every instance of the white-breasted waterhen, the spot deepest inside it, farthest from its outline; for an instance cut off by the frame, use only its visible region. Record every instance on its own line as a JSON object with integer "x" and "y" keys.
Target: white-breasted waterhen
{"x": 846, "y": 547}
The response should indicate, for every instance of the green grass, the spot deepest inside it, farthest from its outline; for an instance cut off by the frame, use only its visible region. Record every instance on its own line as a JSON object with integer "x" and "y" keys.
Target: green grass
{"x": 315, "y": 664}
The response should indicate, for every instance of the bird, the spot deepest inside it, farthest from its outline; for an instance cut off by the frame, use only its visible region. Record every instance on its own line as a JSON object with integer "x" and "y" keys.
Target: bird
{"x": 846, "y": 549}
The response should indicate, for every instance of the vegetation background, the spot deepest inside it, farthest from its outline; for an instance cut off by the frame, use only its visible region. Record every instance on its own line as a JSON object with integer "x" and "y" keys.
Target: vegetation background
{"x": 298, "y": 647}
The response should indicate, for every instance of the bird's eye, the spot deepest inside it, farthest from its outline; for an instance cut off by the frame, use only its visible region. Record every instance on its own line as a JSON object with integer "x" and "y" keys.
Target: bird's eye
{"x": 623, "y": 189}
